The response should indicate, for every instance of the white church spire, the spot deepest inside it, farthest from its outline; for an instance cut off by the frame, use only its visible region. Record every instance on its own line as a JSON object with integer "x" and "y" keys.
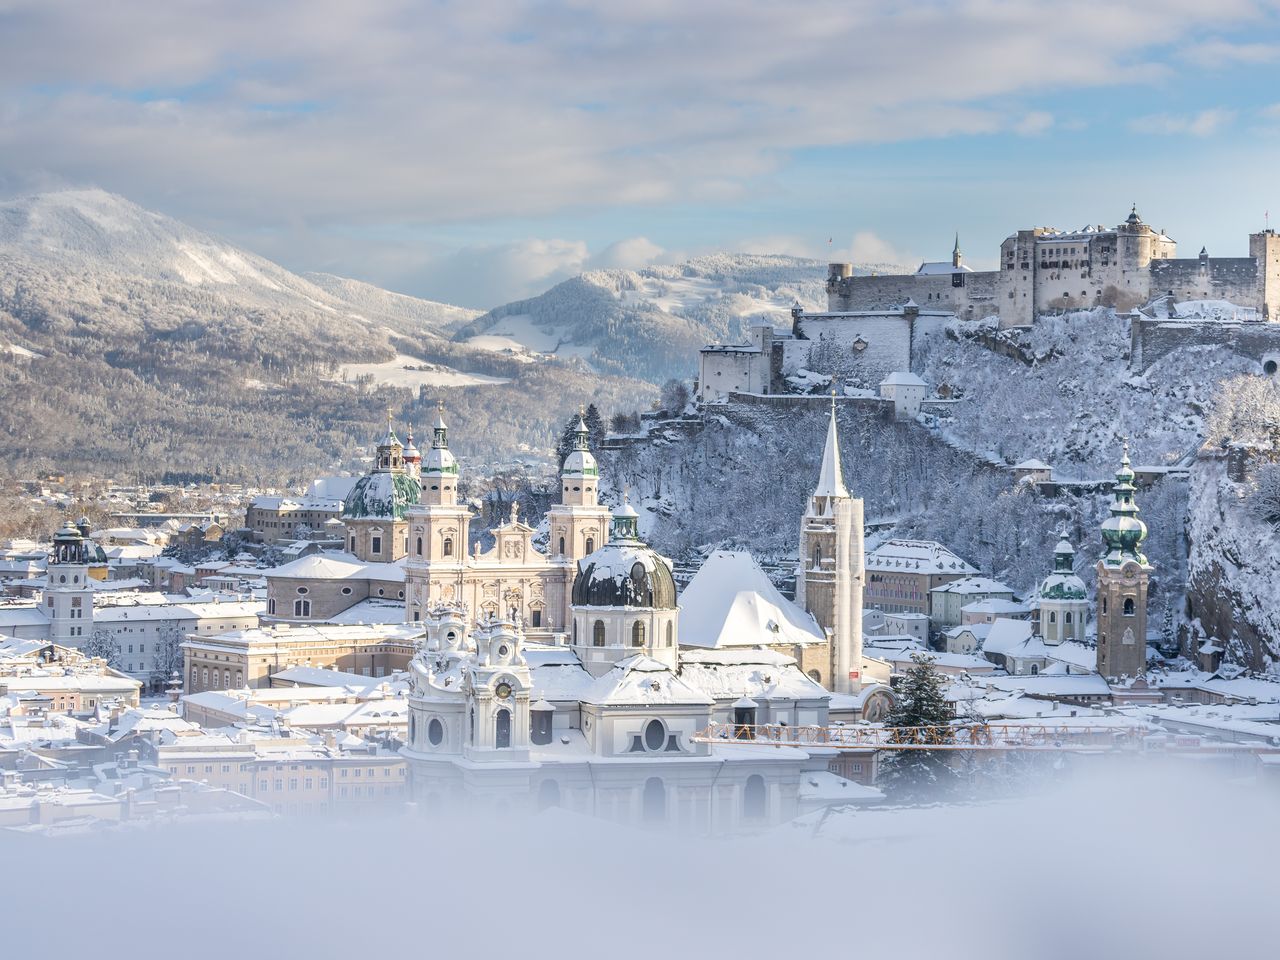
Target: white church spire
{"x": 830, "y": 479}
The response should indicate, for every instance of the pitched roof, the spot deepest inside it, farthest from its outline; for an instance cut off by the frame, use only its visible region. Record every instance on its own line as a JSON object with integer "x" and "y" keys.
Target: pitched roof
{"x": 830, "y": 478}
{"x": 731, "y": 603}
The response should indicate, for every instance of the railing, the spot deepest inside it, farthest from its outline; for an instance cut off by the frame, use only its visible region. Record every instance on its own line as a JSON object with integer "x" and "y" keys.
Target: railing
{"x": 971, "y": 736}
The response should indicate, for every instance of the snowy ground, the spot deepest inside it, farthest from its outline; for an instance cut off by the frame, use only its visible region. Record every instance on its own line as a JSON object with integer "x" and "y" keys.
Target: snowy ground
{"x": 406, "y": 371}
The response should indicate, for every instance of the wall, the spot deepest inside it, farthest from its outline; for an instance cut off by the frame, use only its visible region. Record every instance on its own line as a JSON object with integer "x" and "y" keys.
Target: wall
{"x": 974, "y": 300}
{"x": 1151, "y": 340}
{"x": 1206, "y": 278}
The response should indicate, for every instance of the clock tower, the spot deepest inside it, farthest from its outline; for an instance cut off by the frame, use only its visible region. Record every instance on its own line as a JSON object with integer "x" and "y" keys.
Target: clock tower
{"x": 498, "y": 685}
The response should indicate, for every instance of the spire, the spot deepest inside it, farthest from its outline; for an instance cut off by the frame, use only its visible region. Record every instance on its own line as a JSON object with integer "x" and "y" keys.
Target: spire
{"x": 581, "y": 435}
{"x": 956, "y": 256}
{"x": 830, "y": 479}
{"x": 440, "y": 432}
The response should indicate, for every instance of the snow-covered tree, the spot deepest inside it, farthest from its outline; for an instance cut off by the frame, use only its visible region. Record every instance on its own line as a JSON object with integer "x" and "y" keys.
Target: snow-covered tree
{"x": 168, "y": 655}
{"x": 919, "y": 775}
{"x": 104, "y": 645}
{"x": 1264, "y": 500}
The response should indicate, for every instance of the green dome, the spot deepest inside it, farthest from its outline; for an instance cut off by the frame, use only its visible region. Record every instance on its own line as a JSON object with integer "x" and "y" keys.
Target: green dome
{"x": 382, "y": 496}
{"x": 1123, "y": 532}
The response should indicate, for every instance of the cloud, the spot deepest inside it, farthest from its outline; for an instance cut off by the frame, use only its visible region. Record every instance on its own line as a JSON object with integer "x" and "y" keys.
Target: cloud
{"x": 1202, "y": 124}
{"x": 1225, "y": 53}
{"x": 485, "y": 276}
{"x": 307, "y": 116}
{"x": 1035, "y": 122}
{"x": 867, "y": 248}
{"x": 630, "y": 254}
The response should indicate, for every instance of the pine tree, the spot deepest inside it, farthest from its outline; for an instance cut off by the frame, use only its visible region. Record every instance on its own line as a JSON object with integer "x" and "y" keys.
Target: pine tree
{"x": 104, "y": 645}
{"x": 595, "y": 432}
{"x": 595, "y": 426}
{"x": 919, "y": 775}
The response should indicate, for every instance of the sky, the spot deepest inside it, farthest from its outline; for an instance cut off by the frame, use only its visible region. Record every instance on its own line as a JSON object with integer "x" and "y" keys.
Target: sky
{"x": 479, "y": 152}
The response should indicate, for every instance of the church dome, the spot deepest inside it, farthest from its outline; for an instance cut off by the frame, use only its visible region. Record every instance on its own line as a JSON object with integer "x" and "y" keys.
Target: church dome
{"x": 1063, "y": 584}
{"x": 382, "y": 496}
{"x": 624, "y": 574}
{"x": 580, "y": 463}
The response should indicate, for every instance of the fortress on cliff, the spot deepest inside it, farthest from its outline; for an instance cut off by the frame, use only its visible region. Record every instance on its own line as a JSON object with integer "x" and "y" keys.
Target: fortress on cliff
{"x": 1043, "y": 270}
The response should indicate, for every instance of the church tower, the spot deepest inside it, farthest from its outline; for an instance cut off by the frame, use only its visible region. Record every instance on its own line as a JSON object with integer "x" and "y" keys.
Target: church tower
{"x": 1123, "y": 578}
{"x": 829, "y": 577}
{"x": 1062, "y": 599}
{"x": 579, "y": 524}
{"x": 438, "y": 529}
{"x": 957, "y": 258}
{"x": 68, "y": 597}
{"x": 374, "y": 512}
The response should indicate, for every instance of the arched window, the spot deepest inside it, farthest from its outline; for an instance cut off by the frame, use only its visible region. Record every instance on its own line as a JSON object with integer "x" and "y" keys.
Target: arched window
{"x": 448, "y": 546}
{"x": 591, "y": 544}
{"x": 561, "y": 554}
{"x": 1067, "y": 617}
{"x": 637, "y": 634}
{"x": 302, "y": 608}
{"x": 671, "y": 633}
{"x": 1053, "y": 616}
{"x": 654, "y": 804}
{"x": 1104, "y": 604}
{"x": 502, "y": 729}
{"x": 1128, "y": 606}
{"x": 1035, "y": 669}
{"x": 419, "y": 546}
{"x": 597, "y": 634}
{"x": 817, "y": 556}
{"x": 271, "y": 606}
{"x": 755, "y": 801}
{"x": 548, "y": 794}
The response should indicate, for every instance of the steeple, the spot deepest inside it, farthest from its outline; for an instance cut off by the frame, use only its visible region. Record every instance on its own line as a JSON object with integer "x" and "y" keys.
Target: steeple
{"x": 956, "y": 256}
{"x": 830, "y": 479}
{"x": 390, "y": 454}
{"x": 1122, "y": 532}
{"x": 439, "y": 460}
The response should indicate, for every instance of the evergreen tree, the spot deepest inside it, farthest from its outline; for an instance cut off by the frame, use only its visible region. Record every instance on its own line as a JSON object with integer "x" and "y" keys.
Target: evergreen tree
{"x": 595, "y": 426}
{"x": 919, "y": 775}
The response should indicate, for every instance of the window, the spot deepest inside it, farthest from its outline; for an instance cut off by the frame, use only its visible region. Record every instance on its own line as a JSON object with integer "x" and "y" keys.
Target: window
{"x": 502, "y": 730}
{"x": 448, "y": 546}
{"x": 271, "y": 606}
{"x": 637, "y": 634}
{"x": 671, "y": 633}
{"x": 435, "y": 732}
{"x": 561, "y": 552}
{"x": 303, "y": 591}
{"x": 1104, "y": 604}
{"x": 302, "y": 608}
{"x": 754, "y": 798}
{"x": 1053, "y": 617}
{"x": 419, "y": 546}
{"x": 536, "y": 616}
{"x": 591, "y": 544}
{"x": 1066, "y": 617}
{"x": 655, "y": 735}
{"x": 375, "y": 544}
{"x": 1128, "y": 606}
{"x": 597, "y": 634}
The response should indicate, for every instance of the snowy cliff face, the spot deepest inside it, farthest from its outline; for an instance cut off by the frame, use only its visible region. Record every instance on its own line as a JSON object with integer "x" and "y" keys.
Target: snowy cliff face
{"x": 1234, "y": 591}
{"x": 651, "y": 323}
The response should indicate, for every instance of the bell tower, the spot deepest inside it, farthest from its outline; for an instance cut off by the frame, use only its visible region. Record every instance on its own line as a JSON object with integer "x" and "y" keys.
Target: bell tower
{"x": 1124, "y": 575}
{"x": 68, "y": 597}
{"x": 829, "y": 578}
{"x": 438, "y": 530}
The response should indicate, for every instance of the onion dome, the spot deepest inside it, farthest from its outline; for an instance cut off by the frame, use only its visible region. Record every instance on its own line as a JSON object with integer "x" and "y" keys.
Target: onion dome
{"x": 1063, "y": 584}
{"x": 411, "y": 452}
{"x": 1122, "y": 532}
{"x": 580, "y": 462}
{"x": 382, "y": 496}
{"x": 439, "y": 460}
{"x": 625, "y": 572}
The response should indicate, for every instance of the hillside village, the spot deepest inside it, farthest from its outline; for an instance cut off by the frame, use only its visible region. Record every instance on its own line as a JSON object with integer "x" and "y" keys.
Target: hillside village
{"x": 1039, "y": 515}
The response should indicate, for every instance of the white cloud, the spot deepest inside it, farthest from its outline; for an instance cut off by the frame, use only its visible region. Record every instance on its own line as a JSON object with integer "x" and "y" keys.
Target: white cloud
{"x": 1035, "y": 122}
{"x": 486, "y": 276}
{"x": 1223, "y": 53}
{"x": 630, "y": 254}
{"x": 1201, "y": 124}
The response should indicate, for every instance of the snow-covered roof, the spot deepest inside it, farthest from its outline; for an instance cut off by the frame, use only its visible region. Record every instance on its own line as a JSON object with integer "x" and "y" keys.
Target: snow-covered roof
{"x": 830, "y": 478}
{"x": 730, "y": 602}
{"x": 916, "y": 556}
{"x": 1052, "y": 684}
{"x": 901, "y": 379}
{"x": 1032, "y": 464}
{"x": 643, "y": 681}
{"x": 968, "y": 585}
{"x": 931, "y": 268}
{"x": 996, "y": 605}
{"x": 760, "y": 675}
{"x": 319, "y": 566}
{"x": 1010, "y": 638}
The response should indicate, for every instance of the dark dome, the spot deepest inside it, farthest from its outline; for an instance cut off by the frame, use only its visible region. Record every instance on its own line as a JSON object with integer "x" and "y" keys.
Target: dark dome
{"x": 625, "y": 574}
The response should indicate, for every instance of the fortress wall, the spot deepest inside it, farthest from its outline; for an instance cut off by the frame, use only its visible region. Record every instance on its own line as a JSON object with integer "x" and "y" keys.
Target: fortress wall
{"x": 864, "y": 348}
{"x": 931, "y": 292}
{"x": 1221, "y": 278}
{"x": 1155, "y": 339}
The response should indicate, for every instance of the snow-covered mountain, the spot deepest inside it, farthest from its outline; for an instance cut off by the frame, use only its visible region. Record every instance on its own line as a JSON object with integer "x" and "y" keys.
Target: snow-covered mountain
{"x": 175, "y": 351}
{"x": 651, "y": 322}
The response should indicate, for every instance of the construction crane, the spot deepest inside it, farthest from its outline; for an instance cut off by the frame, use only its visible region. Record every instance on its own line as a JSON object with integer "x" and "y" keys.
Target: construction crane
{"x": 969, "y": 736}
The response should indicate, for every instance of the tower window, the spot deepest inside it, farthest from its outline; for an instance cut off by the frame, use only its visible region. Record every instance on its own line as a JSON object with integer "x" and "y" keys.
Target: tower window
{"x": 1067, "y": 616}
{"x": 561, "y": 546}
{"x": 671, "y": 632}
{"x": 448, "y": 546}
{"x": 597, "y": 634}
{"x": 1104, "y": 604}
{"x": 637, "y": 634}
{"x": 419, "y": 546}
{"x": 1128, "y": 606}
{"x": 375, "y": 545}
{"x": 1053, "y": 617}
{"x": 591, "y": 544}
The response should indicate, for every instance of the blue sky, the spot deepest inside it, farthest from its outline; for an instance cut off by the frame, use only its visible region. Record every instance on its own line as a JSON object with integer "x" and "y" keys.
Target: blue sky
{"x": 477, "y": 153}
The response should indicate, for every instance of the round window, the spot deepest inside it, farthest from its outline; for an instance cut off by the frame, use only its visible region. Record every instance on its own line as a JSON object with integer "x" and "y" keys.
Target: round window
{"x": 503, "y": 650}
{"x": 346, "y": 591}
{"x": 435, "y": 732}
{"x": 302, "y": 590}
{"x": 379, "y": 591}
{"x": 654, "y": 735}
{"x": 1269, "y": 368}
{"x": 63, "y": 578}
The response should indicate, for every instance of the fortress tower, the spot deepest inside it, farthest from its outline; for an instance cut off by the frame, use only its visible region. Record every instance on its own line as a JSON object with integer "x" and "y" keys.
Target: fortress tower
{"x": 829, "y": 577}
{"x": 1264, "y": 247}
